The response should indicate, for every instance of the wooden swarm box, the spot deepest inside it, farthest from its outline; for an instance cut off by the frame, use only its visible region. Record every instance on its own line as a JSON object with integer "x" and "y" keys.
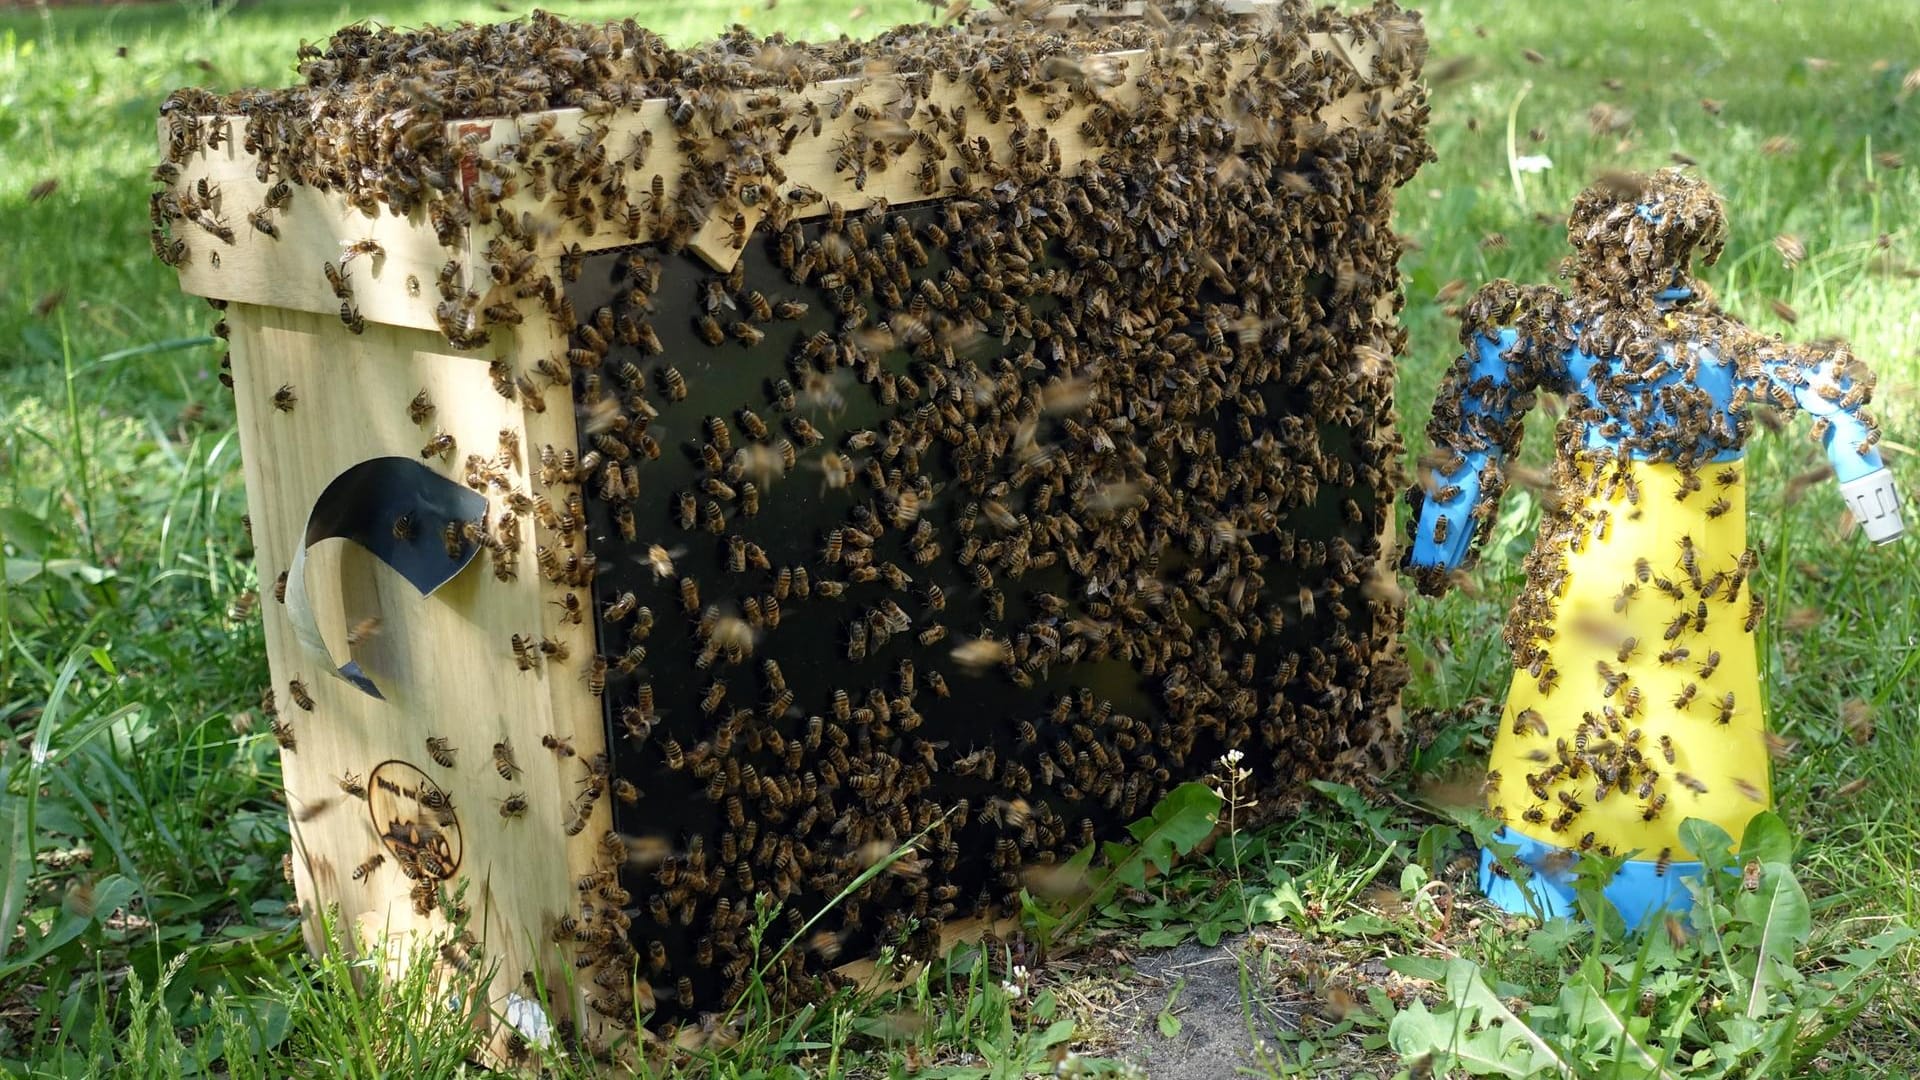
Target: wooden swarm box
{"x": 968, "y": 435}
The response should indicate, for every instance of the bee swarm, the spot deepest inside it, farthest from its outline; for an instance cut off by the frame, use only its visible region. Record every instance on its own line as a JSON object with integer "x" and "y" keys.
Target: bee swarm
{"x": 980, "y": 429}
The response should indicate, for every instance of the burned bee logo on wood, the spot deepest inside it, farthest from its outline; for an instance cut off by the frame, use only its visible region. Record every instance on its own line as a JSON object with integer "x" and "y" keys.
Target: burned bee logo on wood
{"x": 415, "y": 819}
{"x": 1066, "y": 449}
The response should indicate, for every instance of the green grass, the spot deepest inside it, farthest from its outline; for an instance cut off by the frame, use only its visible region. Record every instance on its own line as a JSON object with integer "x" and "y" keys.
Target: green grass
{"x": 140, "y": 832}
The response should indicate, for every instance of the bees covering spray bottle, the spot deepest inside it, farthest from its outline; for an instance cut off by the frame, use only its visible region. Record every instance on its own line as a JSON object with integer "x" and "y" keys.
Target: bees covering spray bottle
{"x": 1635, "y": 700}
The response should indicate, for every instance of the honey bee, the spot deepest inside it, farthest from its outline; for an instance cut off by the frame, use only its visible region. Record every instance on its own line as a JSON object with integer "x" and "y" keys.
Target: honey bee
{"x": 673, "y": 384}
{"x": 596, "y": 676}
{"x": 284, "y": 398}
{"x": 1852, "y": 787}
{"x": 441, "y": 444}
{"x": 283, "y": 734}
{"x": 751, "y": 423}
{"x": 350, "y": 783}
{"x": 503, "y": 762}
{"x": 622, "y": 607}
{"x": 561, "y": 747}
{"x": 450, "y": 540}
{"x": 440, "y": 751}
{"x": 808, "y": 435}
{"x": 721, "y": 440}
{"x": 514, "y": 805}
{"x": 298, "y": 690}
{"x": 404, "y": 529}
{"x": 661, "y": 560}
{"x": 1725, "y": 709}
{"x": 280, "y": 588}
{"x": 361, "y": 872}
{"x": 1691, "y": 783}
{"x": 1625, "y": 597}
{"x": 337, "y": 279}
{"x": 261, "y": 218}
{"x": 524, "y": 652}
{"x": 689, "y": 595}
{"x": 368, "y": 247}
{"x": 421, "y": 408}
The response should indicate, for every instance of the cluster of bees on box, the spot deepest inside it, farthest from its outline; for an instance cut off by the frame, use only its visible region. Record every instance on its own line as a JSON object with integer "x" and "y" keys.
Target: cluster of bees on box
{"x": 985, "y": 520}
{"x": 1635, "y": 236}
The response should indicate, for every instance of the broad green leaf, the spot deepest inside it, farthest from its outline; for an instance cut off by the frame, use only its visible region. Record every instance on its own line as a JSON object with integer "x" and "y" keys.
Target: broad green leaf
{"x": 1363, "y": 924}
{"x": 109, "y": 895}
{"x": 1464, "y": 983}
{"x": 16, "y": 847}
{"x": 1585, "y": 1002}
{"x": 1708, "y": 842}
{"x": 1429, "y": 968}
{"x": 1182, "y": 819}
{"x": 28, "y": 533}
{"x": 1783, "y": 919}
{"x": 1164, "y": 938}
{"x": 1276, "y": 905}
{"x": 1056, "y": 1033}
{"x": 20, "y": 571}
{"x": 1179, "y": 822}
{"x": 1169, "y": 1025}
{"x": 1862, "y": 958}
{"x": 1767, "y": 839}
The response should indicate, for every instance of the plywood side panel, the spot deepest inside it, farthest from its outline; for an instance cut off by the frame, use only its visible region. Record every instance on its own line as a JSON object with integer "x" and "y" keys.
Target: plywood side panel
{"x": 443, "y": 662}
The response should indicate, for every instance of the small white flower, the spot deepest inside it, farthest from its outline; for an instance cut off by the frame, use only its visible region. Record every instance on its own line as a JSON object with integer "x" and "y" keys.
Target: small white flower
{"x": 1532, "y": 163}
{"x": 1233, "y": 756}
{"x": 1013, "y": 989}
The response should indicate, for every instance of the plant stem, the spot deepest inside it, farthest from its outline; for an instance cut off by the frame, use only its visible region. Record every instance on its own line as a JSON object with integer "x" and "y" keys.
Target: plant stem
{"x": 1513, "y": 150}
{"x": 79, "y": 456}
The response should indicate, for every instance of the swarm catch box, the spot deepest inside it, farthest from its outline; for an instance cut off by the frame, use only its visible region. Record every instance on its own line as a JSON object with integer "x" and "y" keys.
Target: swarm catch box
{"x": 695, "y": 474}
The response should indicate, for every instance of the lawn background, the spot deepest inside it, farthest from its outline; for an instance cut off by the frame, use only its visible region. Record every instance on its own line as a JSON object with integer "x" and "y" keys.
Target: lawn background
{"x": 130, "y": 666}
